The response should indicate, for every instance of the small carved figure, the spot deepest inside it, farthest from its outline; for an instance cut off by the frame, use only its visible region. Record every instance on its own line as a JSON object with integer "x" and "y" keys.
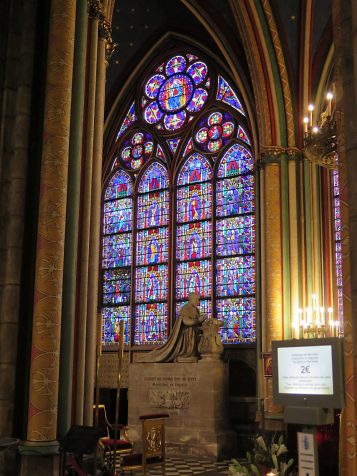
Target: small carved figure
{"x": 182, "y": 345}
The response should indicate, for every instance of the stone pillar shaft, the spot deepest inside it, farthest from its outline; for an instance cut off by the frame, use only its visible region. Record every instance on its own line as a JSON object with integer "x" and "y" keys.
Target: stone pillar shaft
{"x": 94, "y": 240}
{"x": 86, "y": 216}
{"x": 71, "y": 243}
{"x": 43, "y": 392}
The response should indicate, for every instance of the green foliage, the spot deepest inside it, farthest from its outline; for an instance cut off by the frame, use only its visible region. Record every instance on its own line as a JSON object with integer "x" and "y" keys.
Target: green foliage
{"x": 264, "y": 458}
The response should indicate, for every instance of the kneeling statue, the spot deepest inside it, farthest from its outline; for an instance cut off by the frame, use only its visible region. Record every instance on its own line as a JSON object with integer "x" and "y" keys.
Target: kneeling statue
{"x": 182, "y": 345}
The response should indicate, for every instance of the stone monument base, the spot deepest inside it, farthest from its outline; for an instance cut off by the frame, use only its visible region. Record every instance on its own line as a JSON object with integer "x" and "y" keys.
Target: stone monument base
{"x": 195, "y": 395}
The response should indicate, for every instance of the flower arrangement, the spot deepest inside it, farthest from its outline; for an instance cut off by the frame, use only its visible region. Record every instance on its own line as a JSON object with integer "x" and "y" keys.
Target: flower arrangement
{"x": 264, "y": 460}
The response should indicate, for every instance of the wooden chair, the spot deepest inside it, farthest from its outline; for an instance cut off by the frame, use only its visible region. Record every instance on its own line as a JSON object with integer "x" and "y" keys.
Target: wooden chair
{"x": 108, "y": 445}
{"x": 153, "y": 446}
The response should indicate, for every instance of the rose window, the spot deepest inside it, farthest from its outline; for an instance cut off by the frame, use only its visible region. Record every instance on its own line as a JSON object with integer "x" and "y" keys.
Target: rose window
{"x": 176, "y": 91}
{"x": 137, "y": 150}
{"x": 214, "y": 131}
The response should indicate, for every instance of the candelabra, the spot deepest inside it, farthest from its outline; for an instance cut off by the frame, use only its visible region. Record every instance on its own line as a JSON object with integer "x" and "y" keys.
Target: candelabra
{"x": 320, "y": 142}
{"x": 315, "y": 322}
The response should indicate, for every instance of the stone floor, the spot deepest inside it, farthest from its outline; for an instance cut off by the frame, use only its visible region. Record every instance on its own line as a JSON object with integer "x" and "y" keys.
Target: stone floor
{"x": 182, "y": 466}
{"x": 178, "y": 466}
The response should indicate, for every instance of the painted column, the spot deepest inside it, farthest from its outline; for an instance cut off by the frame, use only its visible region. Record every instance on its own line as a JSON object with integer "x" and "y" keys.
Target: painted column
{"x": 308, "y": 232}
{"x": 44, "y": 374}
{"x": 272, "y": 312}
{"x": 71, "y": 242}
{"x": 285, "y": 237}
{"x": 94, "y": 11}
{"x": 294, "y": 234}
{"x": 94, "y": 240}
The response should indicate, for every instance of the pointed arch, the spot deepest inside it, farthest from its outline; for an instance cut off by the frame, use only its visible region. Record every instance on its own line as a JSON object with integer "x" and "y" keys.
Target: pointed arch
{"x": 175, "y": 190}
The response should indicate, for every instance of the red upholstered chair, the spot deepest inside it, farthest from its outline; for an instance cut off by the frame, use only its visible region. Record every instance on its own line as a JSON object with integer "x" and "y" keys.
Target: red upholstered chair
{"x": 108, "y": 445}
{"x": 153, "y": 446}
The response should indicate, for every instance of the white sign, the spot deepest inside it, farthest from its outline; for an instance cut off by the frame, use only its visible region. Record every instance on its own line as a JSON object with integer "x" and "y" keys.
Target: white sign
{"x": 307, "y": 454}
{"x": 305, "y": 370}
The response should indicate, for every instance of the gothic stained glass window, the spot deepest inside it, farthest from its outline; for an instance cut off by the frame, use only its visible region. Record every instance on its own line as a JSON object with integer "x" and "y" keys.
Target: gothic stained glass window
{"x": 116, "y": 256}
{"x": 187, "y": 122}
{"x": 151, "y": 276}
{"x": 235, "y": 246}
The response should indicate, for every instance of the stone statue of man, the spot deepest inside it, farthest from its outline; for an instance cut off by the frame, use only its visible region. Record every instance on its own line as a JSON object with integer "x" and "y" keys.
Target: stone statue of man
{"x": 182, "y": 344}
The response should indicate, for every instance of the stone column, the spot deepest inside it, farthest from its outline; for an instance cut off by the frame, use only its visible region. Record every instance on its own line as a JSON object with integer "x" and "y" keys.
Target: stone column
{"x": 272, "y": 310}
{"x": 71, "y": 242}
{"x": 43, "y": 389}
{"x": 95, "y": 214}
{"x": 294, "y": 232}
{"x": 94, "y": 10}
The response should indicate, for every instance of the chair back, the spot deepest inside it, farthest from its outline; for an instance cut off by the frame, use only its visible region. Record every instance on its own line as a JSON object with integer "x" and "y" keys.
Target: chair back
{"x": 102, "y": 419}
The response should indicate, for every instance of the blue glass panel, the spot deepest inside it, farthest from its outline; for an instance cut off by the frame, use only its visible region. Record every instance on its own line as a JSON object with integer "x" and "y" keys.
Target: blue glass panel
{"x": 193, "y": 276}
{"x": 151, "y": 246}
{"x": 177, "y": 64}
{"x": 226, "y": 94}
{"x": 154, "y": 178}
{"x": 150, "y": 323}
{"x": 238, "y": 316}
{"x": 175, "y": 93}
{"x": 235, "y": 196}
{"x": 120, "y": 185}
{"x": 241, "y": 134}
{"x": 236, "y": 236}
{"x": 196, "y": 169}
{"x": 130, "y": 118}
{"x": 173, "y": 144}
{"x": 194, "y": 202}
{"x": 116, "y": 250}
{"x": 235, "y": 276}
{"x": 151, "y": 283}
{"x": 110, "y": 324}
{"x": 194, "y": 241}
{"x": 153, "y": 209}
{"x": 117, "y": 216}
{"x": 198, "y": 71}
{"x": 116, "y": 286}
{"x": 236, "y": 161}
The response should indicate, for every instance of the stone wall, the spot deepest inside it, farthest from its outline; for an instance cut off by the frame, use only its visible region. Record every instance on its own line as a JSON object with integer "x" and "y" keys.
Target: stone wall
{"x": 195, "y": 395}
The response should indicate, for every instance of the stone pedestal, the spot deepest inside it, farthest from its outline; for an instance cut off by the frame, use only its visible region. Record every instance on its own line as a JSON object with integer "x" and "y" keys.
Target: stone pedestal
{"x": 195, "y": 397}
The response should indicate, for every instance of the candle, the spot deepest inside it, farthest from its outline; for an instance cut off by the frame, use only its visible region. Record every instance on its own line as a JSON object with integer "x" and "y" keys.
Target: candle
{"x": 310, "y": 108}
{"x": 330, "y": 318}
{"x": 308, "y": 315}
{"x": 306, "y": 121}
{"x": 100, "y": 335}
{"x": 322, "y": 315}
{"x": 329, "y": 97}
{"x": 295, "y": 327}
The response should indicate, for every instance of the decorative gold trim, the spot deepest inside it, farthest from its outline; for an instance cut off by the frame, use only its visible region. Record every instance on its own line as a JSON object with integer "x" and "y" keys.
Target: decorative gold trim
{"x": 95, "y": 9}
{"x": 105, "y": 32}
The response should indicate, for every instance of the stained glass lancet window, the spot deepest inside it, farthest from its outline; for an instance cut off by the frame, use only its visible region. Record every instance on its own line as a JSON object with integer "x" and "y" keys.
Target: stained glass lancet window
{"x": 194, "y": 231}
{"x": 151, "y": 276}
{"x": 235, "y": 246}
{"x": 116, "y": 256}
{"x": 338, "y": 244}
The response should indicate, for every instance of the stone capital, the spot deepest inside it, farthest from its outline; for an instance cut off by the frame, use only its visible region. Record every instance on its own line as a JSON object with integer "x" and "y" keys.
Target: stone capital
{"x": 95, "y": 9}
